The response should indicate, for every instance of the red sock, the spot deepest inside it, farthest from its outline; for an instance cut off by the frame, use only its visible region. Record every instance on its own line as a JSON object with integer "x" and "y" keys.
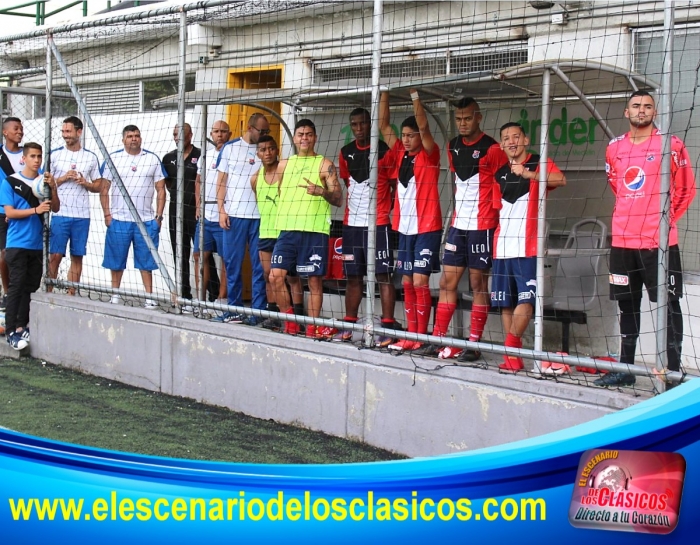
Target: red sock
{"x": 479, "y": 315}
{"x": 443, "y": 315}
{"x": 409, "y": 303}
{"x": 513, "y": 341}
{"x": 351, "y": 319}
{"x": 424, "y": 304}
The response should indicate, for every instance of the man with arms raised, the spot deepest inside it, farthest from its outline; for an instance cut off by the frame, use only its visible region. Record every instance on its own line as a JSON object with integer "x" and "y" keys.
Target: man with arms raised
{"x": 354, "y": 170}
{"x": 417, "y": 213}
{"x": 470, "y": 239}
{"x": 514, "y": 284}
{"x": 308, "y": 187}
{"x": 143, "y": 177}
{"x": 77, "y": 173}
{"x": 633, "y": 165}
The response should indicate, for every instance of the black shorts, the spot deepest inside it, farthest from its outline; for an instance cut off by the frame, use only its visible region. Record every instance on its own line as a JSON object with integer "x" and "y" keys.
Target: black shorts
{"x": 3, "y": 231}
{"x": 631, "y": 269}
{"x": 355, "y": 251}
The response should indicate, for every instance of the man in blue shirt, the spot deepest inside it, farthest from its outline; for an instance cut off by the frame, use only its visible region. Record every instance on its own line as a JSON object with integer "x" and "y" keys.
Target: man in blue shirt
{"x": 23, "y": 254}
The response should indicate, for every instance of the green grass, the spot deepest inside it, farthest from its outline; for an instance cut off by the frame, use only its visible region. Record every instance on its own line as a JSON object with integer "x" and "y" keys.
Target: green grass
{"x": 57, "y": 403}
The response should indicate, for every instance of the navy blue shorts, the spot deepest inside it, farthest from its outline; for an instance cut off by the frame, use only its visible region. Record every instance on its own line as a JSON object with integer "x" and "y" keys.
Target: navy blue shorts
{"x": 514, "y": 282}
{"x": 213, "y": 237}
{"x": 471, "y": 249}
{"x": 301, "y": 252}
{"x": 266, "y": 245}
{"x": 419, "y": 254}
{"x": 355, "y": 250}
{"x": 63, "y": 229}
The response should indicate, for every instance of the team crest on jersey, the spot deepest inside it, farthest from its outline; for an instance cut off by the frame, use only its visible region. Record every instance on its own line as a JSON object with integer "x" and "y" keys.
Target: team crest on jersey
{"x": 133, "y": 169}
{"x": 21, "y": 161}
{"x": 194, "y": 160}
{"x": 634, "y": 178}
{"x": 213, "y": 165}
{"x": 476, "y": 154}
{"x": 73, "y": 166}
{"x": 251, "y": 161}
{"x": 650, "y": 158}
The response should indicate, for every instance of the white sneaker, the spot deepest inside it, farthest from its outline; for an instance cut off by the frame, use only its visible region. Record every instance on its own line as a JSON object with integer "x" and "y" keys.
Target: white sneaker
{"x": 188, "y": 308}
{"x": 116, "y": 300}
{"x": 150, "y": 304}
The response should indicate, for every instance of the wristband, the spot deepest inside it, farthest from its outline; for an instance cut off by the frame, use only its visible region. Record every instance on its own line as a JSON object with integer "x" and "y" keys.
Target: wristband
{"x": 35, "y": 211}
{"x": 414, "y": 96}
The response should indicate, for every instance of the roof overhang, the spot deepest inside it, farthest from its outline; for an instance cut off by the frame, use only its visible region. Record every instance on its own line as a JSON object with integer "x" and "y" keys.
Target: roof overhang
{"x": 523, "y": 82}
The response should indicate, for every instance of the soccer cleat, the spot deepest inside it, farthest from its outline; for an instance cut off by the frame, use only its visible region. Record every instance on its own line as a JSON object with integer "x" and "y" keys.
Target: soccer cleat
{"x": 312, "y": 332}
{"x": 16, "y": 341}
{"x": 469, "y": 356}
{"x": 25, "y": 334}
{"x": 272, "y": 324}
{"x": 326, "y": 332}
{"x": 251, "y": 321}
{"x": 404, "y": 345}
{"x": 150, "y": 304}
{"x": 615, "y": 379}
{"x": 512, "y": 364}
{"x": 292, "y": 328}
{"x": 188, "y": 308}
{"x": 428, "y": 350}
{"x": 383, "y": 341}
{"x": 228, "y": 318}
{"x": 115, "y": 300}
{"x": 549, "y": 368}
{"x": 449, "y": 352}
{"x": 344, "y": 336}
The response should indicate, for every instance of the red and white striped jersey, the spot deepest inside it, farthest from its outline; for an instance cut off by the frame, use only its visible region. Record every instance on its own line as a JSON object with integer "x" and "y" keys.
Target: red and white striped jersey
{"x": 417, "y": 203}
{"x": 354, "y": 169}
{"x": 474, "y": 208}
{"x": 516, "y": 234}
{"x": 634, "y": 174}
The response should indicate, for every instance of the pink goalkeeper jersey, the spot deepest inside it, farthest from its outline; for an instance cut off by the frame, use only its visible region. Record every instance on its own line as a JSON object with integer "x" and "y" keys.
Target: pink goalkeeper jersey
{"x": 634, "y": 174}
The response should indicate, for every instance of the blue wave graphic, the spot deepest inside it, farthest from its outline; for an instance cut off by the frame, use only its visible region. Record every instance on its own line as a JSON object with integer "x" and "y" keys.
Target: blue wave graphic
{"x": 542, "y": 467}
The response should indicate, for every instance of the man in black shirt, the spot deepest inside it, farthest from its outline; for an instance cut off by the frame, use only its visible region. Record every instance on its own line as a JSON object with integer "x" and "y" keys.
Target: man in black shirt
{"x": 192, "y": 155}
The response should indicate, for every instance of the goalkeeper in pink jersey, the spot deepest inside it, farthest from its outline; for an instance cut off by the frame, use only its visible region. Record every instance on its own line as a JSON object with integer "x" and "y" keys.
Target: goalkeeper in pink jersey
{"x": 633, "y": 166}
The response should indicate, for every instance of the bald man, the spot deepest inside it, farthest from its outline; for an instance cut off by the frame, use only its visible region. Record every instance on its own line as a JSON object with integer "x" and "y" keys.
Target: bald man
{"x": 192, "y": 155}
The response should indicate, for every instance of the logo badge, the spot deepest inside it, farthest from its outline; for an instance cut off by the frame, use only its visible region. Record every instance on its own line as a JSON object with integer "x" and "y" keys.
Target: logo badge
{"x": 338, "y": 245}
{"x": 634, "y": 178}
{"x": 628, "y": 491}
{"x": 476, "y": 154}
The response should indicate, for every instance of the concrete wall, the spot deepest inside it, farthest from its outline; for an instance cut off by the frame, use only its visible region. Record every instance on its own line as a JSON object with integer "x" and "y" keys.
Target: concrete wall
{"x": 361, "y": 394}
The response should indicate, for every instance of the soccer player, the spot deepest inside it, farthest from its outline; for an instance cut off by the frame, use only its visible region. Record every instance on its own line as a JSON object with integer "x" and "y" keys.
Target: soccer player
{"x": 514, "y": 285}
{"x": 24, "y": 241}
{"x": 77, "y": 173}
{"x": 354, "y": 170}
{"x": 417, "y": 213}
{"x": 239, "y": 217}
{"x": 470, "y": 239}
{"x": 265, "y": 184}
{"x": 143, "y": 176}
{"x": 308, "y": 187}
{"x": 11, "y": 161}
{"x": 213, "y": 233}
{"x": 633, "y": 165}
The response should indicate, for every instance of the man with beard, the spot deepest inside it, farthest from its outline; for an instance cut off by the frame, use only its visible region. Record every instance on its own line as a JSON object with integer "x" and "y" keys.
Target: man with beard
{"x": 633, "y": 166}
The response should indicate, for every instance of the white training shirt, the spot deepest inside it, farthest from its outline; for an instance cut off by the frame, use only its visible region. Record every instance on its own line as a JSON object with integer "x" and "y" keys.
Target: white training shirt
{"x": 240, "y": 161}
{"x": 211, "y": 210}
{"x": 75, "y": 199}
{"x": 16, "y": 158}
{"x": 140, "y": 173}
